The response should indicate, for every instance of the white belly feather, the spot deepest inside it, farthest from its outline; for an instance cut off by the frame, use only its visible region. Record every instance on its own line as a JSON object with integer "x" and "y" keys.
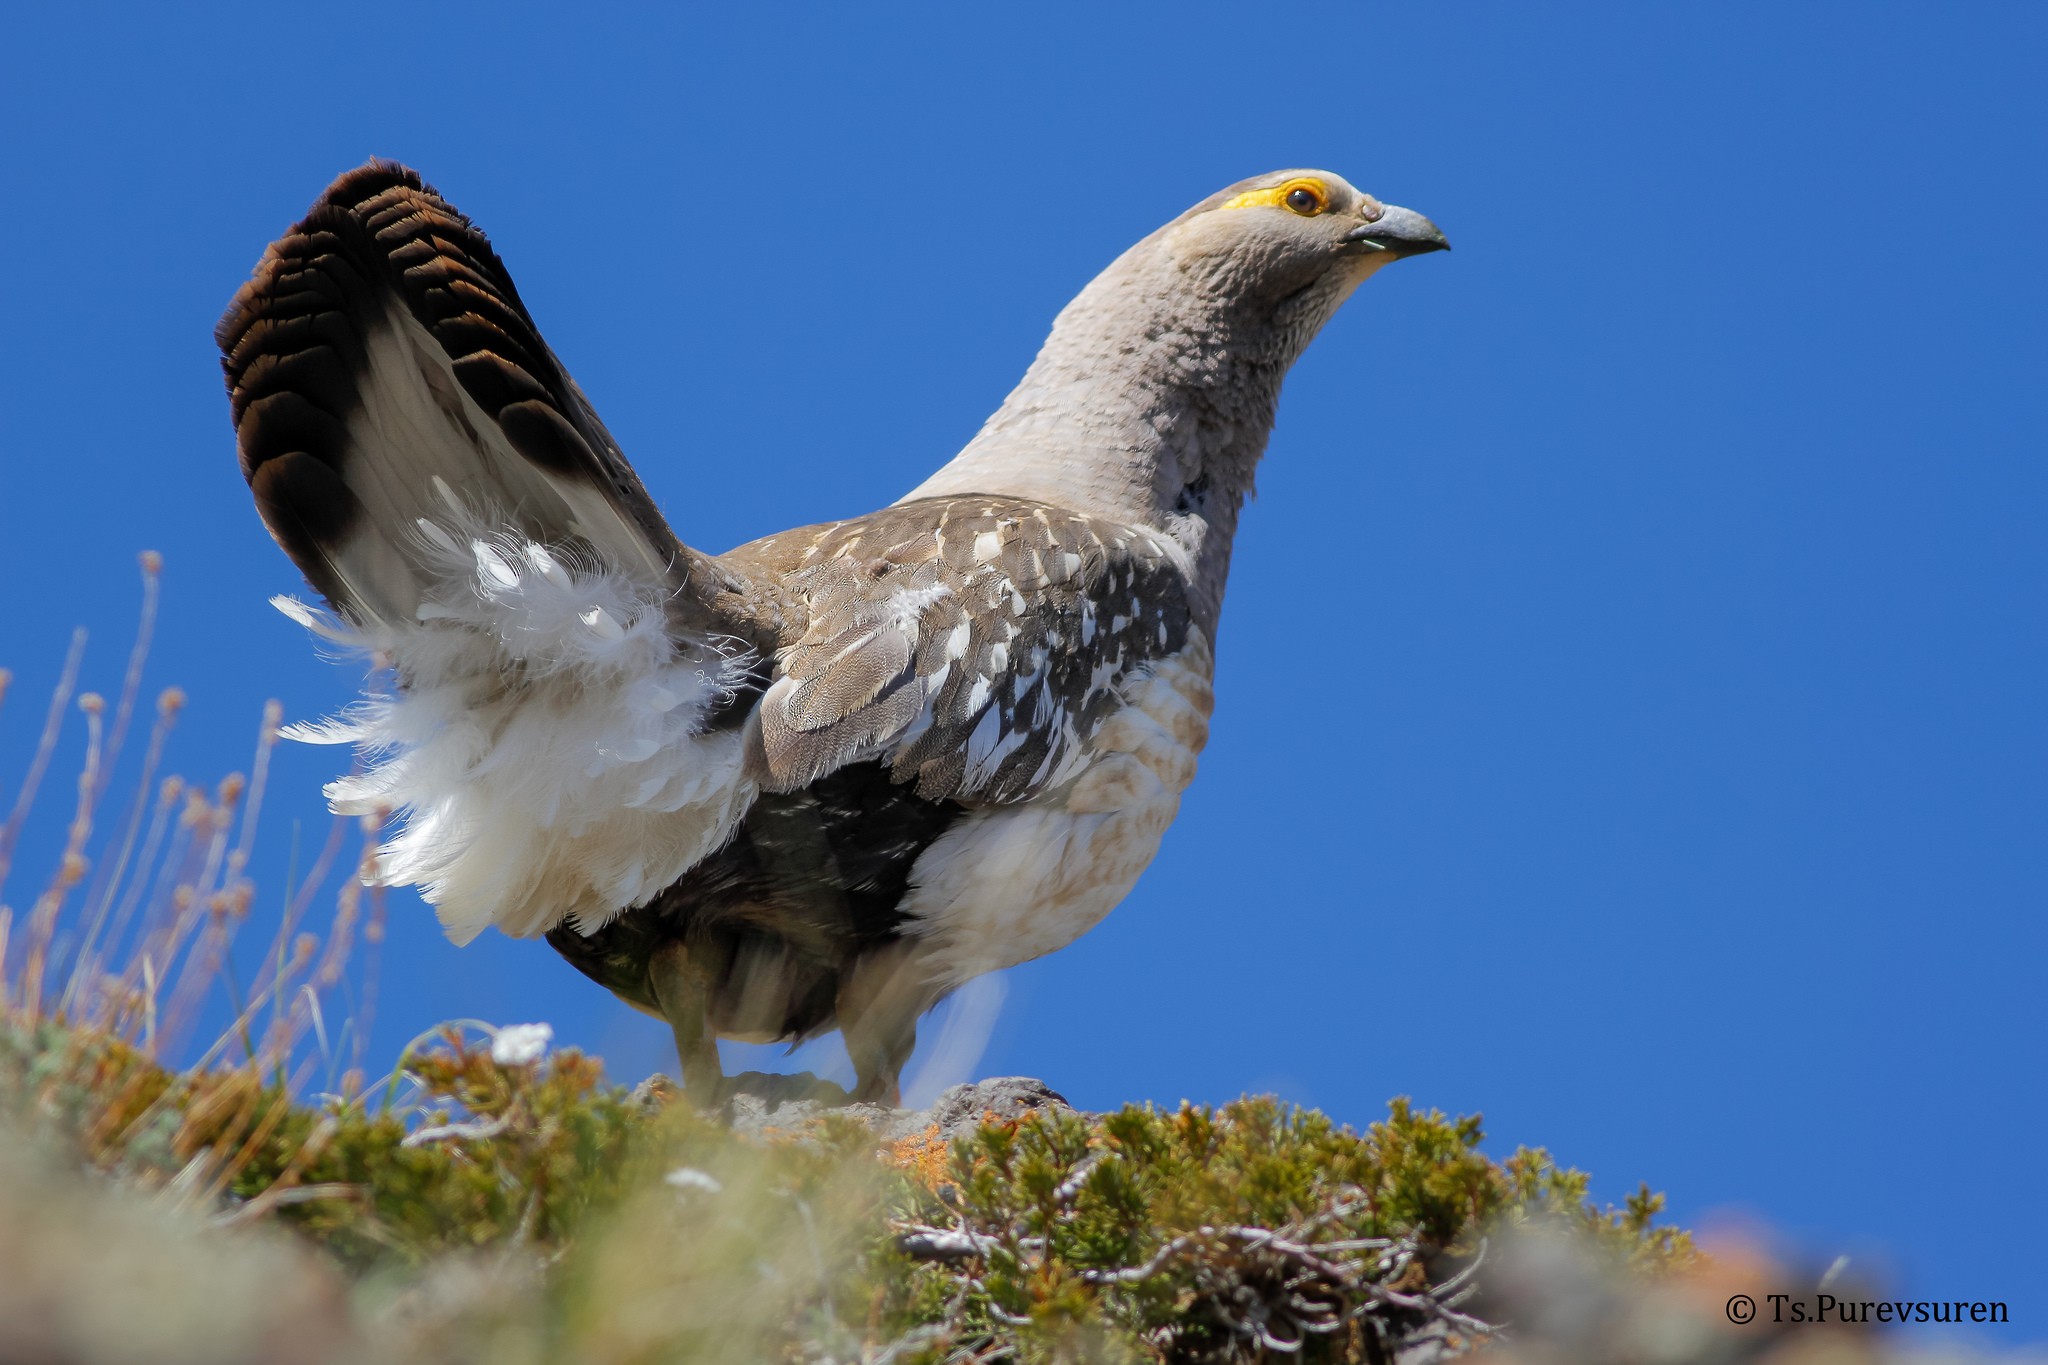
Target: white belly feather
{"x": 1011, "y": 883}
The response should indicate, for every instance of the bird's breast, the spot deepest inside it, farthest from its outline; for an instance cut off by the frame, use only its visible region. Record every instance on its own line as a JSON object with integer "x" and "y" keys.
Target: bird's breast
{"x": 1014, "y": 882}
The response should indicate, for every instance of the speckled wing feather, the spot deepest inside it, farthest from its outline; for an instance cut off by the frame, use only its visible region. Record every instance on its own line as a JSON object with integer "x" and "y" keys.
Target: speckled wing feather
{"x": 973, "y": 643}
{"x": 381, "y": 347}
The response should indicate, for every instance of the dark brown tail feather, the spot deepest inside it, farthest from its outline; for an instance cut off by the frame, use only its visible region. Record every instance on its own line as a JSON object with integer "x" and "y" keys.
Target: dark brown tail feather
{"x": 295, "y": 346}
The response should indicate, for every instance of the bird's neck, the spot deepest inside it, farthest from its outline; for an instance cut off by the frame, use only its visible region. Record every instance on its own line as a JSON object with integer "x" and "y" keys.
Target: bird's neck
{"x": 1150, "y": 404}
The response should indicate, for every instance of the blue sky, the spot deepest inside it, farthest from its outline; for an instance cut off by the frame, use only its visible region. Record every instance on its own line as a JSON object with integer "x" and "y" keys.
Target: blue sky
{"x": 1630, "y": 692}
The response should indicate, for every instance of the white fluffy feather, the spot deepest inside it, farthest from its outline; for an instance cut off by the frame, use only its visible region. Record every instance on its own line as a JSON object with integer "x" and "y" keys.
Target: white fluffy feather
{"x": 544, "y": 746}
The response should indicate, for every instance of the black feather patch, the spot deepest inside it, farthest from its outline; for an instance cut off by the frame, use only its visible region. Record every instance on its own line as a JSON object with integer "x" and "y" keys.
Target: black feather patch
{"x": 812, "y": 881}
{"x": 306, "y": 505}
{"x": 543, "y": 436}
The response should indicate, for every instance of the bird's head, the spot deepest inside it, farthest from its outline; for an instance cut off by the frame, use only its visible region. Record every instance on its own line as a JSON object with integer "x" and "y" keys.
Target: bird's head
{"x": 1157, "y": 388}
{"x": 1294, "y": 236}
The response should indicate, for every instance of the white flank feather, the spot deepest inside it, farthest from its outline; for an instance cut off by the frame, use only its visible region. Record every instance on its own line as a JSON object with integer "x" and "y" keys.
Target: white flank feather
{"x": 544, "y": 748}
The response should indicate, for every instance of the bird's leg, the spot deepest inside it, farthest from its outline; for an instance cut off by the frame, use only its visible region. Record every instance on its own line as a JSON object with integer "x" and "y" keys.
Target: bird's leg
{"x": 684, "y": 989}
{"x": 878, "y": 1006}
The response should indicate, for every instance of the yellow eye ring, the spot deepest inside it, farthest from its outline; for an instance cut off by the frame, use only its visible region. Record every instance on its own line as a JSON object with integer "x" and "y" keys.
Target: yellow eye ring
{"x": 1305, "y": 197}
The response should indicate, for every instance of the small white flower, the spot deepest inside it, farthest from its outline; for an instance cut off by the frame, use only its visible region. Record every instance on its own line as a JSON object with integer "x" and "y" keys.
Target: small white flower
{"x": 518, "y": 1044}
{"x": 690, "y": 1178}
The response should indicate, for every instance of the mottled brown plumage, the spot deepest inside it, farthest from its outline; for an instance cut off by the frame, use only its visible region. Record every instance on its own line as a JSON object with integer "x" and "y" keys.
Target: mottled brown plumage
{"x": 1023, "y": 617}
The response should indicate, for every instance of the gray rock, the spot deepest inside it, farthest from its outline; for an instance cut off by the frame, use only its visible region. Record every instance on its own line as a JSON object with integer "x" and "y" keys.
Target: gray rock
{"x": 761, "y": 1101}
{"x": 963, "y": 1106}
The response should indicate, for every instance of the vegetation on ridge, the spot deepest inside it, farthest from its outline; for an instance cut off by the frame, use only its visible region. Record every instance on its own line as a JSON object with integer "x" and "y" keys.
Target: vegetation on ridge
{"x": 627, "y": 1228}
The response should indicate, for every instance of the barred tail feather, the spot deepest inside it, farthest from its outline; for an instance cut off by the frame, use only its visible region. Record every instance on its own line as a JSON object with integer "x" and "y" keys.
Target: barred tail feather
{"x": 557, "y": 654}
{"x": 380, "y": 351}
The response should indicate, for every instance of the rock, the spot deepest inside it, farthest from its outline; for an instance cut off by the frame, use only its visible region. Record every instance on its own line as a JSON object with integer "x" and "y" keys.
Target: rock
{"x": 762, "y": 1102}
{"x": 963, "y": 1106}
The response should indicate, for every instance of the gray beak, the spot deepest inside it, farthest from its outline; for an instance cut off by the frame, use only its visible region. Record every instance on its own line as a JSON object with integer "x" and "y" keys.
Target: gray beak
{"x": 1401, "y": 231}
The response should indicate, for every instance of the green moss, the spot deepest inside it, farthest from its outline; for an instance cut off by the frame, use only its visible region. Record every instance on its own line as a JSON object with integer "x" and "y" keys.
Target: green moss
{"x": 1187, "y": 1234}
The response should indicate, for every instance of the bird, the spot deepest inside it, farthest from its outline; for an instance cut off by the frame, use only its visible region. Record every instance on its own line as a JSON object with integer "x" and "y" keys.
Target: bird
{"x": 823, "y": 779}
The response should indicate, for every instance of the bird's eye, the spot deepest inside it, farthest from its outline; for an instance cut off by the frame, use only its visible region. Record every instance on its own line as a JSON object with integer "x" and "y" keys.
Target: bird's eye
{"x": 1304, "y": 200}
